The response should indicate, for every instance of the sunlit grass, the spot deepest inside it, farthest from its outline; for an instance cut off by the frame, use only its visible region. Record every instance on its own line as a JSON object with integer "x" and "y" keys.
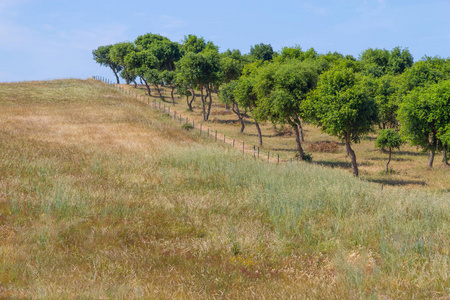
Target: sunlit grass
{"x": 409, "y": 164}
{"x": 100, "y": 197}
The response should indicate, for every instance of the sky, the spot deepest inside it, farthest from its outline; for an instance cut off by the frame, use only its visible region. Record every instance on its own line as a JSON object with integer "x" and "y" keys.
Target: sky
{"x": 54, "y": 39}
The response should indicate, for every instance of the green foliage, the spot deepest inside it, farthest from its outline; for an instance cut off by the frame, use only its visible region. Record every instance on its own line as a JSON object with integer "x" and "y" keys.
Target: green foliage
{"x": 227, "y": 92}
{"x": 284, "y": 86}
{"x": 102, "y": 56}
{"x": 341, "y": 105}
{"x": 389, "y": 138}
{"x": 262, "y": 52}
{"x": 195, "y": 44}
{"x": 295, "y": 52}
{"x": 119, "y": 52}
{"x": 422, "y": 74}
{"x": 231, "y": 65}
{"x": 425, "y": 115}
{"x": 386, "y": 94}
{"x": 379, "y": 62}
{"x": 187, "y": 126}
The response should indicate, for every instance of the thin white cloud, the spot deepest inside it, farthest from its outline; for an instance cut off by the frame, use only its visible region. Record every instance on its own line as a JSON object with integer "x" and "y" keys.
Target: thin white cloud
{"x": 315, "y": 9}
{"x": 170, "y": 22}
{"x": 92, "y": 38}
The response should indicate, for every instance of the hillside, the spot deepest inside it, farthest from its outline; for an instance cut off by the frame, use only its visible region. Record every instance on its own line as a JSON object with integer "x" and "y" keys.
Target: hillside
{"x": 408, "y": 168}
{"x": 102, "y": 197}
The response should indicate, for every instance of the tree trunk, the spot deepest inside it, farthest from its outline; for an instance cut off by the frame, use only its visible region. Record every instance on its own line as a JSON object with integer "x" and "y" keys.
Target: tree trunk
{"x": 300, "y": 128}
{"x": 259, "y": 133}
{"x": 203, "y": 104}
{"x": 117, "y": 76}
{"x": 149, "y": 91}
{"x": 209, "y": 105}
{"x": 171, "y": 94}
{"x": 135, "y": 83}
{"x": 159, "y": 92}
{"x": 189, "y": 103}
{"x": 431, "y": 159}
{"x": 352, "y": 156}
{"x": 389, "y": 160}
{"x": 301, "y": 154}
{"x": 236, "y": 110}
{"x": 444, "y": 156}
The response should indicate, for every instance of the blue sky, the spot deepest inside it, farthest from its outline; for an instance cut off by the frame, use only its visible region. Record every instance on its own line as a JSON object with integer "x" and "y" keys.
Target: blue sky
{"x": 51, "y": 39}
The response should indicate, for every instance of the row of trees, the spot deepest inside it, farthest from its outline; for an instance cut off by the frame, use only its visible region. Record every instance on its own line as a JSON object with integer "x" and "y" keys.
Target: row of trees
{"x": 345, "y": 96}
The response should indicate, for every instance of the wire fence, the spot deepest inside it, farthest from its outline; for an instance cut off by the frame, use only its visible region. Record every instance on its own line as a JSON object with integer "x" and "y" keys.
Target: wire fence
{"x": 203, "y": 131}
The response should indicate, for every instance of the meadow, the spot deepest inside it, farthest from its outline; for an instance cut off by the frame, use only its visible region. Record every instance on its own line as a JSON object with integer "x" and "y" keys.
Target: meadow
{"x": 408, "y": 168}
{"x": 102, "y": 197}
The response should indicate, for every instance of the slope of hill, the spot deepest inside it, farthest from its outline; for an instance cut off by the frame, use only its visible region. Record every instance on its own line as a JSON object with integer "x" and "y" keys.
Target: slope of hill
{"x": 101, "y": 197}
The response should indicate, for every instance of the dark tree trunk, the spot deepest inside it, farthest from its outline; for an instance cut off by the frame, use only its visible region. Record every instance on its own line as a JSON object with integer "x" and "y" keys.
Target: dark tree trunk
{"x": 149, "y": 91}
{"x": 159, "y": 91}
{"x": 389, "y": 160}
{"x": 433, "y": 146}
{"x": 236, "y": 110}
{"x": 352, "y": 156}
{"x": 259, "y": 133}
{"x": 203, "y": 104}
{"x": 444, "y": 156}
{"x": 431, "y": 159}
{"x": 300, "y": 128}
{"x": 117, "y": 76}
{"x": 171, "y": 94}
{"x": 298, "y": 141}
{"x": 189, "y": 102}
{"x": 209, "y": 105}
{"x": 135, "y": 83}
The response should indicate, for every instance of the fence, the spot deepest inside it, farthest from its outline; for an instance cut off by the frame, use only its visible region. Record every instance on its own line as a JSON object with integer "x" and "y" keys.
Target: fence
{"x": 255, "y": 151}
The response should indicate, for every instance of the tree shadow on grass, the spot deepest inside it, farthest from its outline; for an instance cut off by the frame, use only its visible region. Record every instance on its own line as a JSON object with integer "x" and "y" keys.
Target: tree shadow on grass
{"x": 397, "y": 182}
{"x": 340, "y": 164}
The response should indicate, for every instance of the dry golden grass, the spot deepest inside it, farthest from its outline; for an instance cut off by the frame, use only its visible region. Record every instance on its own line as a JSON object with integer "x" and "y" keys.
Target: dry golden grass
{"x": 101, "y": 197}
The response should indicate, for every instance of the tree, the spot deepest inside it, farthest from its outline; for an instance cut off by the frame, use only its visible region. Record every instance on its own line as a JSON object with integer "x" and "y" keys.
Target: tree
{"x": 195, "y": 44}
{"x": 231, "y": 65}
{"x": 246, "y": 97}
{"x": 379, "y": 62}
{"x": 227, "y": 96}
{"x": 202, "y": 71}
{"x": 168, "y": 77}
{"x": 262, "y": 52}
{"x": 444, "y": 137}
{"x": 341, "y": 105}
{"x": 282, "y": 88}
{"x": 425, "y": 117}
{"x": 102, "y": 57}
{"x": 386, "y": 94}
{"x": 389, "y": 138}
{"x": 157, "y": 58}
{"x": 118, "y": 54}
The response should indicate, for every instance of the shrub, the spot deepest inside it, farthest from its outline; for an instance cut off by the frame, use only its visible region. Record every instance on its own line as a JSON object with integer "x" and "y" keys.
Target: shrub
{"x": 187, "y": 126}
{"x": 324, "y": 146}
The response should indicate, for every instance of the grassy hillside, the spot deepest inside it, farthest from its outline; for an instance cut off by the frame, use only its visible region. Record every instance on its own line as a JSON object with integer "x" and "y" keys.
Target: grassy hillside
{"x": 409, "y": 164}
{"x": 101, "y": 197}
